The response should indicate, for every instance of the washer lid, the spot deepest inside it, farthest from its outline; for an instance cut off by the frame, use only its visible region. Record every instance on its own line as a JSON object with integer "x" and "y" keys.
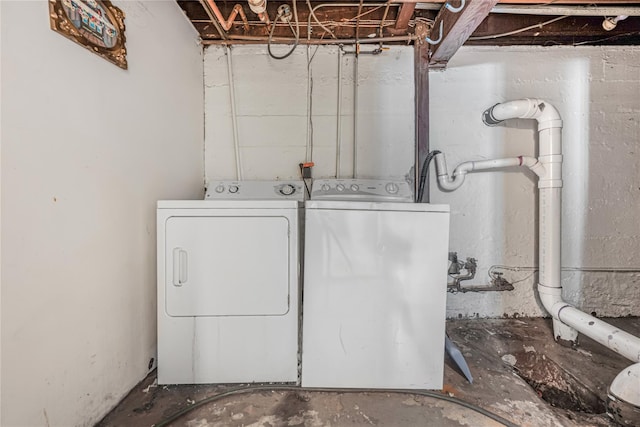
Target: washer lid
{"x": 375, "y": 206}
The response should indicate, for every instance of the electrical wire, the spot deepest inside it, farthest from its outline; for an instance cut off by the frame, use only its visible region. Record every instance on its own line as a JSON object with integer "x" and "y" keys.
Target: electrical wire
{"x": 296, "y": 33}
{"x": 520, "y": 30}
{"x": 312, "y": 14}
{"x": 251, "y": 389}
{"x": 364, "y": 13}
{"x": 424, "y": 173}
{"x": 607, "y": 38}
{"x": 494, "y": 275}
{"x": 309, "y": 148}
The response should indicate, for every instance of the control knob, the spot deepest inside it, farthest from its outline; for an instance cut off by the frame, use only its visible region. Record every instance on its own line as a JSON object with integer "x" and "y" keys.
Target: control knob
{"x": 391, "y": 188}
{"x": 340, "y": 187}
{"x": 287, "y": 189}
{"x": 219, "y": 188}
{"x": 325, "y": 187}
{"x": 233, "y": 189}
{"x": 355, "y": 187}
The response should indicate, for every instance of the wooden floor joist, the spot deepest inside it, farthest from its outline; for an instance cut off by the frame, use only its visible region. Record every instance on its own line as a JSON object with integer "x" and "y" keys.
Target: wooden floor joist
{"x": 456, "y": 29}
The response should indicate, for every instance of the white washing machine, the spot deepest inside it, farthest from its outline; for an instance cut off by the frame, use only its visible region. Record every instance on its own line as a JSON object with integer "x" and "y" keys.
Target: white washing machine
{"x": 228, "y": 285}
{"x": 374, "y": 287}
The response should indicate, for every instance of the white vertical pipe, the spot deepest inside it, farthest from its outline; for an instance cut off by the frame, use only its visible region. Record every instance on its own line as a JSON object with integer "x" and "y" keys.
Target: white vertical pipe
{"x": 234, "y": 117}
{"x": 307, "y": 153}
{"x": 339, "y": 114}
{"x": 567, "y": 320}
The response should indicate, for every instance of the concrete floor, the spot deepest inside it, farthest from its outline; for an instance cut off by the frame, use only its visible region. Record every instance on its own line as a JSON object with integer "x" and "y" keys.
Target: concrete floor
{"x": 520, "y": 374}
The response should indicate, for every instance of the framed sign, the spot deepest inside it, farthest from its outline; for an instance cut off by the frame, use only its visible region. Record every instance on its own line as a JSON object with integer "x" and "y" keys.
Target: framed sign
{"x": 95, "y": 24}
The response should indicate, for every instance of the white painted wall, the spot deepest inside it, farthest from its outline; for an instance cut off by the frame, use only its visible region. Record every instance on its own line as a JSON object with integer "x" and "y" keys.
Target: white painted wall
{"x": 271, "y": 105}
{"x": 494, "y": 218}
{"x": 596, "y": 89}
{"x": 87, "y": 149}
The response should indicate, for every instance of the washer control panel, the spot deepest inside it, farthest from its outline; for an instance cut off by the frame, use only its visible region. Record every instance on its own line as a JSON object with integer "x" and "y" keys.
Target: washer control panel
{"x": 366, "y": 190}
{"x": 255, "y": 190}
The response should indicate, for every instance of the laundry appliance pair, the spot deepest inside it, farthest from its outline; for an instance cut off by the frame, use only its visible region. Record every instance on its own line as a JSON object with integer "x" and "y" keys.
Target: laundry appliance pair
{"x": 370, "y": 312}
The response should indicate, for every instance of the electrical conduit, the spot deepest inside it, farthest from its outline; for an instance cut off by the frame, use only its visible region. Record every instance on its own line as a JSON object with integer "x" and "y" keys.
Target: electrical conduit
{"x": 234, "y": 115}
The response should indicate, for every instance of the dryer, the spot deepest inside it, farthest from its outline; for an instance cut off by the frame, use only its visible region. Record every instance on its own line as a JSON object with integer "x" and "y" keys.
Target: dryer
{"x": 228, "y": 284}
{"x": 374, "y": 287}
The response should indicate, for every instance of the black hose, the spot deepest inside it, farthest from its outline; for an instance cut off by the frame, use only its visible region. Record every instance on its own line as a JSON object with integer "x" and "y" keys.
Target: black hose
{"x": 295, "y": 32}
{"x": 250, "y": 389}
{"x": 424, "y": 173}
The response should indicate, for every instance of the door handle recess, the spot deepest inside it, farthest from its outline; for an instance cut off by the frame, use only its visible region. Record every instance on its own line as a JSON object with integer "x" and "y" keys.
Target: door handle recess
{"x": 180, "y": 267}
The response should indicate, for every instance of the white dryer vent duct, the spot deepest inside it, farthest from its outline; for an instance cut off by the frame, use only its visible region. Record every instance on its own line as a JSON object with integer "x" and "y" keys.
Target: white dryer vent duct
{"x": 567, "y": 320}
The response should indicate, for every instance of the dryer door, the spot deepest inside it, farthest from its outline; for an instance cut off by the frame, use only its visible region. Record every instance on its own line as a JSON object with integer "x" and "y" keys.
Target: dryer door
{"x": 227, "y": 266}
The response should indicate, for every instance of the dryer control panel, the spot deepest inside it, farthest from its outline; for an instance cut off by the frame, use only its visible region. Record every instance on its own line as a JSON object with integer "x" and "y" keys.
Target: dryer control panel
{"x": 365, "y": 190}
{"x": 255, "y": 190}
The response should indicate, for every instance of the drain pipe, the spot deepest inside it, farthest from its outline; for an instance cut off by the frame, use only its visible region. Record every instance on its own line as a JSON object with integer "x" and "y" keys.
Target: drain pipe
{"x": 450, "y": 183}
{"x": 567, "y": 320}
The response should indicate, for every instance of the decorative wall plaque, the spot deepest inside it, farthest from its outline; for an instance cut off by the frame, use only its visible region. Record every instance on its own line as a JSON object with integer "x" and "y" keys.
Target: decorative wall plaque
{"x": 95, "y": 24}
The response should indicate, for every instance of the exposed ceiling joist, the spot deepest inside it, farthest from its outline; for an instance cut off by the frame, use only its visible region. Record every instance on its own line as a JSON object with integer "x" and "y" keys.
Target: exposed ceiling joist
{"x": 380, "y": 21}
{"x": 404, "y": 16}
{"x": 535, "y": 2}
{"x": 456, "y": 27}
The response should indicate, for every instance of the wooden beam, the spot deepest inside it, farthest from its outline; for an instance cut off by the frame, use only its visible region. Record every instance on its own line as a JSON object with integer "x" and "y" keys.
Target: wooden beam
{"x": 534, "y": 2}
{"x": 504, "y": 30}
{"x": 456, "y": 29}
{"x": 421, "y": 83}
{"x": 406, "y": 12}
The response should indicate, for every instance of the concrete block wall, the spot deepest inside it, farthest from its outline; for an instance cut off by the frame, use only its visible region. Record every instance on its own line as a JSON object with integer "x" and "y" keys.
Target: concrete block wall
{"x": 271, "y": 106}
{"x": 494, "y": 219}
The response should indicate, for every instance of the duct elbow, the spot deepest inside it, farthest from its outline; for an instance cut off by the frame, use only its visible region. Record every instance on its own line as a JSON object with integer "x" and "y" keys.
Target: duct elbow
{"x": 546, "y": 114}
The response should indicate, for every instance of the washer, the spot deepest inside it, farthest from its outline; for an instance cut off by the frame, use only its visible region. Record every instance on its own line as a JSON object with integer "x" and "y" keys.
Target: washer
{"x": 228, "y": 284}
{"x": 374, "y": 287}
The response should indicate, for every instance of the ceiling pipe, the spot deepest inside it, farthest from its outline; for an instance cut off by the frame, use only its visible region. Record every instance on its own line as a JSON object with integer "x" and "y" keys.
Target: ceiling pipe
{"x": 259, "y": 7}
{"x": 214, "y": 20}
{"x": 288, "y": 40}
{"x": 567, "y": 320}
{"x": 226, "y": 24}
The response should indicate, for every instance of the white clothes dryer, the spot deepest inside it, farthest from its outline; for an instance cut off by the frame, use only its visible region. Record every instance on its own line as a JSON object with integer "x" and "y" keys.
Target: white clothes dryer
{"x": 228, "y": 285}
{"x": 374, "y": 287}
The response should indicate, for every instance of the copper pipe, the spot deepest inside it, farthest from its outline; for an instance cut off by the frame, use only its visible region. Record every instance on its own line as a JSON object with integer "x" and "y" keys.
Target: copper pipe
{"x": 213, "y": 19}
{"x": 226, "y": 24}
{"x": 264, "y": 17}
{"x": 288, "y": 40}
